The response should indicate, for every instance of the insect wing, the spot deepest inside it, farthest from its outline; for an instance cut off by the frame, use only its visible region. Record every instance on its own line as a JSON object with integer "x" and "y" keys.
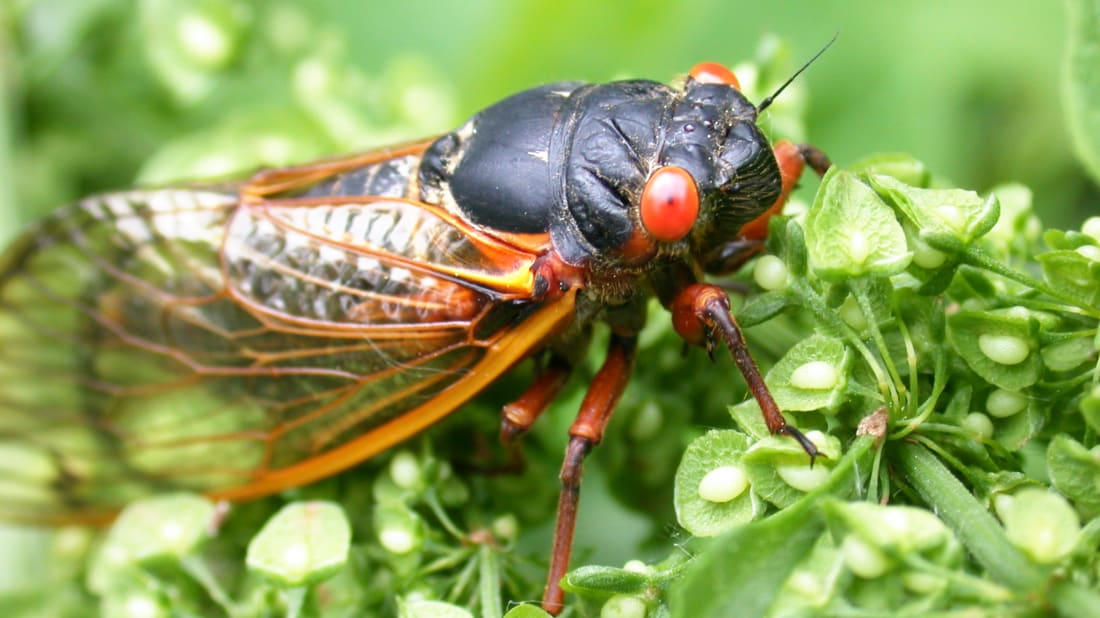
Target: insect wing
{"x": 184, "y": 339}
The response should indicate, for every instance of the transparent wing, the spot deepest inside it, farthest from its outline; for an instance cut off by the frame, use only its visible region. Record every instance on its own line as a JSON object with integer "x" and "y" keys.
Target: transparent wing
{"x": 183, "y": 339}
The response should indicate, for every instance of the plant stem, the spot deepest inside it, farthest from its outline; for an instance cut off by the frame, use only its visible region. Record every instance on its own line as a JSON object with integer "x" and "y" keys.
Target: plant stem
{"x": 830, "y": 320}
{"x": 977, "y": 529}
{"x": 195, "y": 567}
{"x": 488, "y": 588}
{"x": 861, "y": 293}
{"x": 976, "y": 257}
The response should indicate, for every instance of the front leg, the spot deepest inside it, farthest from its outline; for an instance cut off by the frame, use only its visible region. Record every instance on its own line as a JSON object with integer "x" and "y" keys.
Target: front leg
{"x": 701, "y": 315}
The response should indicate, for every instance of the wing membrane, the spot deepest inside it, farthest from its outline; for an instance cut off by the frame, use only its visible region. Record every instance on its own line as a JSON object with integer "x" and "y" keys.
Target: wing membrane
{"x": 185, "y": 339}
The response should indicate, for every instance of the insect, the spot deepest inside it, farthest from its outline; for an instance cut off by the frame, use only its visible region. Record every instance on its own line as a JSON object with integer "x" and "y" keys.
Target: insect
{"x": 242, "y": 339}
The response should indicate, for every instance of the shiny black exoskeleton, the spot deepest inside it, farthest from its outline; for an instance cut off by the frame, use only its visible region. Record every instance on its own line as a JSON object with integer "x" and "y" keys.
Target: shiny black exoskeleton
{"x": 572, "y": 159}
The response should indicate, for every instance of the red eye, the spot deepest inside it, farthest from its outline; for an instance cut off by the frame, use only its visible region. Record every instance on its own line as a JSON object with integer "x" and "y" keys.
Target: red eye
{"x": 714, "y": 73}
{"x": 670, "y": 204}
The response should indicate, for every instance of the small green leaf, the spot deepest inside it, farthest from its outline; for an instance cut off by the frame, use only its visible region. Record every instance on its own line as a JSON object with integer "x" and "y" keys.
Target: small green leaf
{"x": 162, "y": 527}
{"x": 1040, "y": 523}
{"x": 817, "y": 580}
{"x": 851, "y": 232}
{"x": 1072, "y": 274}
{"x": 430, "y": 609}
{"x": 1075, "y": 472}
{"x": 896, "y": 530}
{"x": 527, "y": 610}
{"x": 781, "y": 472}
{"x": 1017, "y": 220}
{"x": 946, "y": 219}
{"x": 760, "y": 308}
{"x": 603, "y": 581}
{"x": 1019, "y": 429}
{"x": 749, "y": 419}
{"x": 713, "y": 451}
{"x": 399, "y": 529}
{"x": 188, "y": 43}
{"x": 901, "y": 166}
{"x": 794, "y": 250}
{"x": 742, "y": 572}
{"x": 1068, "y": 354}
{"x": 811, "y": 376}
{"x": 1090, "y": 408}
{"x": 304, "y": 543}
{"x": 988, "y": 341}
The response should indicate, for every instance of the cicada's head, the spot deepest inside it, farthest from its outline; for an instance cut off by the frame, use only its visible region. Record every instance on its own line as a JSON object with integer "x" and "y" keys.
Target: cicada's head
{"x": 654, "y": 171}
{"x": 643, "y": 171}
{"x": 716, "y": 170}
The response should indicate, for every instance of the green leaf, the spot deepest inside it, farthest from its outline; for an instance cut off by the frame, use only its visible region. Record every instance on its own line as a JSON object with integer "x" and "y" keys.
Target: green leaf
{"x": 817, "y": 580}
{"x": 603, "y": 581}
{"x": 162, "y": 527}
{"x": 749, "y": 419}
{"x": 781, "y": 472}
{"x": 1019, "y": 429}
{"x": 527, "y": 610}
{"x": 760, "y": 308}
{"x": 975, "y": 527}
{"x": 1040, "y": 523}
{"x": 1090, "y": 408}
{"x": 1082, "y": 82}
{"x": 400, "y": 530}
{"x": 743, "y": 570}
{"x": 1017, "y": 220}
{"x": 811, "y": 376}
{"x": 896, "y": 530}
{"x": 713, "y": 451}
{"x": 1072, "y": 274}
{"x": 851, "y": 232}
{"x": 1068, "y": 354}
{"x": 1075, "y": 471}
{"x": 975, "y": 334}
{"x": 794, "y": 250}
{"x": 430, "y": 609}
{"x": 947, "y": 219}
{"x": 304, "y": 543}
{"x": 904, "y": 167}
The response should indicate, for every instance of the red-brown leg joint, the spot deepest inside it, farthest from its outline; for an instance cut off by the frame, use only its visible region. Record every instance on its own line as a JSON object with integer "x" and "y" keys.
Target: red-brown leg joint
{"x": 686, "y": 317}
{"x": 516, "y": 418}
{"x": 605, "y": 390}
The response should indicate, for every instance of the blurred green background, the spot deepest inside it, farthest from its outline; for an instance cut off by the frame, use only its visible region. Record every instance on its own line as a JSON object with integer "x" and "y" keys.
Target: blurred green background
{"x": 102, "y": 93}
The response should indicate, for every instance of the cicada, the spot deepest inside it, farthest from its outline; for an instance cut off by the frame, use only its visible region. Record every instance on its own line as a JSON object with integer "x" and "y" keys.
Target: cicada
{"x": 244, "y": 338}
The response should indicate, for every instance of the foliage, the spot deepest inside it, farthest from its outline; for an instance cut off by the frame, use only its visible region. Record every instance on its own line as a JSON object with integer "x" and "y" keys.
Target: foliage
{"x": 938, "y": 345}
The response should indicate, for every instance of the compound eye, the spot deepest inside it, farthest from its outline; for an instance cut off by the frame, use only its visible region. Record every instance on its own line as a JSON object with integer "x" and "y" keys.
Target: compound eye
{"x": 714, "y": 73}
{"x": 670, "y": 204}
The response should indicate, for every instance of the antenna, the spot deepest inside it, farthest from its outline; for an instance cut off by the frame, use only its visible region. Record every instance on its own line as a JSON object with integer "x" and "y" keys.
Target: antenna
{"x": 771, "y": 98}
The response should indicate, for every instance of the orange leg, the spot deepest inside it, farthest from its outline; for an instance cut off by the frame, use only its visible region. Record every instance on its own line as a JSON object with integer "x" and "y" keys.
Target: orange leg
{"x": 586, "y": 432}
{"x": 701, "y": 315}
{"x": 517, "y": 417}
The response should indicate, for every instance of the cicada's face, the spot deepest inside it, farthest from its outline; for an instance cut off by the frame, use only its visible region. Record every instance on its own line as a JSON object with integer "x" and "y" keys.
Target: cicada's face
{"x": 674, "y": 178}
